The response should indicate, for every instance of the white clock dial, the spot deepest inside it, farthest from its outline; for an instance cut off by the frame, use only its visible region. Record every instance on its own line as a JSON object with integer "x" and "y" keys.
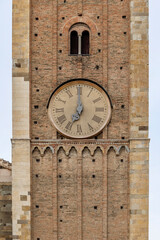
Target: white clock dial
{"x": 79, "y": 109}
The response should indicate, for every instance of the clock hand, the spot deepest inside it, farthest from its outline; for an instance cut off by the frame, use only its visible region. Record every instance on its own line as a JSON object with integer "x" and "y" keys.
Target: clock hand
{"x": 75, "y": 117}
{"x": 80, "y": 106}
{"x": 79, "y": 109}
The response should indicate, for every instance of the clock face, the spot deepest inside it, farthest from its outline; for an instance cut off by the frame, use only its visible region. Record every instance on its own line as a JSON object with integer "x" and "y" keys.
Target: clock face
{"x": 79, "y": 109}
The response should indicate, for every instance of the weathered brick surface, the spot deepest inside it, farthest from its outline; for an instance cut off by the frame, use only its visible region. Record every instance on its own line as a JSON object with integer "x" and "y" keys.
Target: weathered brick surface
{"x": 79, "y": 198}
{"x": 5, "y": 210}
{"x": 46, "y": 57}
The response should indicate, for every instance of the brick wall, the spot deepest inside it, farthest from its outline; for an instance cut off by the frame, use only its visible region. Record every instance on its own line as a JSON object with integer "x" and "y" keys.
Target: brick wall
{"x": 79, "y": 198}
{"x": 5, "y": 200}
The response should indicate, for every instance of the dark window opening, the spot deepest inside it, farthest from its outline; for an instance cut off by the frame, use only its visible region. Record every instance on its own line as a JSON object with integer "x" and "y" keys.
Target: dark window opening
{"x": 74, "y": 42}
{"x": 85, "y": 42}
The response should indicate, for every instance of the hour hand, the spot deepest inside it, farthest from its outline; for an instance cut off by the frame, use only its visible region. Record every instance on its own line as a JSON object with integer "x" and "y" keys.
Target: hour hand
{"x": 79, "y": 108}
{"x": 75, "y": 117}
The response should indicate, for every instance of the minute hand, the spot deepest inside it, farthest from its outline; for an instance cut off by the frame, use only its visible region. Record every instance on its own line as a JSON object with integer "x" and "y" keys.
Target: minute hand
{"x": 80, "y": 106}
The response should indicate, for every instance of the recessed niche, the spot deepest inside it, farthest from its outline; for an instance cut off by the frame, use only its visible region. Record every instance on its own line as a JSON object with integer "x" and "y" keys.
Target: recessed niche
{"x": 65, "y": 1}
{"x": 18, "y": 65}
{"x": 121, "y": 160}
{"x": 60, "y": 68}
{"x": 63, "y": 18}
{"x": 38, "y": 238}
{"x": 37, "y": 90}
{"x": 36, "y": 34}
{"x": 99, "y": 34}
{"x": 37, "y": 206}
{"x": 124, "y": 17}
{"x": 37, "y": 160}
{"x": 93, "y": 176}
{"x": 95, "y": 207}
{"x": 93, "y": 160}
{"x": 37, "y": 175}
{"x": 121, "y": 207}
{"x": 60, "y": 51}
{"x": 61, "y": 220}
{"x": 122, "y": 137}
{"x": 97, "y": 17}
{"x": 35, "y": 122}
{"x": 61, "y": 207}
{"x": 36, "y": 138}
{"x": 60, "y": 34}
{"x": 60, "y": 176}
{"x": 36, "y": 68}
{"x": 97, "y": 67}
{"x": 36, "y": 106}
{"x": 122, "y": 106}
{"x": 59, "y": 160}
{"x": 37, "y": 18}
{"x": 121, "y": 68}
{"x": 125, "y": 33}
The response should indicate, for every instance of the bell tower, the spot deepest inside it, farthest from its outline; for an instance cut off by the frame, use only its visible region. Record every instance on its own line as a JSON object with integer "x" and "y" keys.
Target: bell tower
{"x": 80, "y": 142}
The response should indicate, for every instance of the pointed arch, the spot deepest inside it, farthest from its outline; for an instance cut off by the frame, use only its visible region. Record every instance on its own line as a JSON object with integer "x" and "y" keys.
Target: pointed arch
{"x": 72, "y": 151}
{"x": 36, "y": 149}
{"x": 86, "y": 151}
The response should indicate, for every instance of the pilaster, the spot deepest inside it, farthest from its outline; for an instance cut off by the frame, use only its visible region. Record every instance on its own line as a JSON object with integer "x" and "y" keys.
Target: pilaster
{"x": 21, "y": 129}
{"x": 139, "y": 143}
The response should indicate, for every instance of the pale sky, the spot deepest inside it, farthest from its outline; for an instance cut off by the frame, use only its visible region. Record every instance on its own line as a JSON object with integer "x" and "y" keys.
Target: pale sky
{"x": 6, "y": 102}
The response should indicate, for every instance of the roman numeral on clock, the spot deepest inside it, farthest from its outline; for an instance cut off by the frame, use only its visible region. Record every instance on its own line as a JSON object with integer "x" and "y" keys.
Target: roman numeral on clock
{"x": 69, "y": 93}
{"x": 60, "y": 100}
{"x": 90, "y": 92}
{"x": 79, "y": 129}
{"x": 96, "y": 119}
{"x": 90, "y": 127}
{"x": 99, "y": 109}
{"x": 69, "y": 125}
{"x": 58, "y": 110}
{"x": 62, "y": 119}
{"x": 79, "y": 90}
{"x": 97, "y": 100}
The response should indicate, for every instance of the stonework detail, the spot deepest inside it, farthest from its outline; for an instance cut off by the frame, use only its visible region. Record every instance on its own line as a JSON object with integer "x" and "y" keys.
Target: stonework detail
{"x": 88, "y": 188}
{"x": 139, "y": 143}
{"x": 5, "y": 200}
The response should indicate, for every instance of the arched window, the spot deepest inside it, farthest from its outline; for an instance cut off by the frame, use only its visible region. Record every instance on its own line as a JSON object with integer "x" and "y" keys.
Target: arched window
{"x": 85, "y": 42}
{"x": 74, "y": 42}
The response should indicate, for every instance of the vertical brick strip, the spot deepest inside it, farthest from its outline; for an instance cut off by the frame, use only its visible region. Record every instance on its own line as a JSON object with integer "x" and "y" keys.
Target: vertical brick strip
{"x": 55, "y": 194}
{"x": 80, "y": 7}
{"x": 104, "y": 195}
{"x": 79, "y": 202}
{"x": 54, "y": 49}
{"x": 105, "y": 52}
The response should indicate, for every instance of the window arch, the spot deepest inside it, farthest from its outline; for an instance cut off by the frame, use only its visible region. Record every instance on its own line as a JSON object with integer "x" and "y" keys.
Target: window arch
{"x": 85, "y": 42}
{"x": 79, "y": 39}
{"x": 74, "y": 42}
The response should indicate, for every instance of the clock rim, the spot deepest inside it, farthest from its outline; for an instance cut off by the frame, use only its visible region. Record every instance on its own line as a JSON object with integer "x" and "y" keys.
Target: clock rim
{"x": 59, "y": 88}
{"x": 78, "y": 79}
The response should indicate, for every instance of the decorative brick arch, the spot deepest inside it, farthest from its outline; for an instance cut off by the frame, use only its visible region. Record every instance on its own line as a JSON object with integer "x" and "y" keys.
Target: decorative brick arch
{"x": 85, "y": 20}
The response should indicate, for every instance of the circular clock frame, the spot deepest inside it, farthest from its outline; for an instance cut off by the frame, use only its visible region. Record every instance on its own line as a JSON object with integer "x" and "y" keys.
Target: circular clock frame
{"x": 68, "y": 108}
